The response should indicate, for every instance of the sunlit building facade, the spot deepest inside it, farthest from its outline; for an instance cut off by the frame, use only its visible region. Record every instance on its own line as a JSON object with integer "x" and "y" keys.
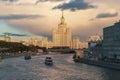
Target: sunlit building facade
{"x": 7, "y": 38}
{"x": 77, "y": 44}
{"x": 43, "y": 42}
{"x": 61, "y": 36}
{"x": 33, "y": 41}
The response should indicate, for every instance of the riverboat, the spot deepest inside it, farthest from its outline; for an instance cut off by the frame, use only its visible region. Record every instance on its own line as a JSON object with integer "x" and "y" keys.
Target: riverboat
{"x": 48, "y": 61}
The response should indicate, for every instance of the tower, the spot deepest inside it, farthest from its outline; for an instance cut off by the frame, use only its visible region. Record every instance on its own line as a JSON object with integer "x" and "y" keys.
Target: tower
{"x": 7, "y": 37}
{"x": 62, "y": 35}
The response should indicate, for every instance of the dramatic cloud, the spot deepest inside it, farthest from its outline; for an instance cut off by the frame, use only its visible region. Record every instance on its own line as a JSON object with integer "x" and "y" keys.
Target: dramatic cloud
{"x": 107, "y": 15}
{"x": 74, "y": 5}
{"x": 18, "y": 16}
{"x": 14, "y": 34}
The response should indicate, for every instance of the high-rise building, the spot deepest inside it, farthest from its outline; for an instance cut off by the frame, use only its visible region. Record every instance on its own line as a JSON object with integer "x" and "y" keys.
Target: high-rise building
{"x": 111, "y": 41}
{"x": 61, "y": 36}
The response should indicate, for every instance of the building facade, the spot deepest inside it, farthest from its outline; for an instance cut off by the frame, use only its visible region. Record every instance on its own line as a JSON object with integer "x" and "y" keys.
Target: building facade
{"x": 33, "y": 41}
{"x": 61, "y": 36}
{"x": 111, "y": 41}
{"x": 77, "y": 44}
{"x": 7, "y": 38}
{"x": 94, "y": 40}
{"x": 95, "y": 46}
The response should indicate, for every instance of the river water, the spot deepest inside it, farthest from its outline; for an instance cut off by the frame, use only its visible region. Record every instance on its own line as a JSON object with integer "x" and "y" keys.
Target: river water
{"x": 63, "y": 69}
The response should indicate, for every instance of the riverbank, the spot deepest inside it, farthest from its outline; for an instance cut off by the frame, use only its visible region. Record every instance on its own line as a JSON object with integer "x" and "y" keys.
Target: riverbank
{"x": 100, "y": 63}
{"x": 10, "y": 56}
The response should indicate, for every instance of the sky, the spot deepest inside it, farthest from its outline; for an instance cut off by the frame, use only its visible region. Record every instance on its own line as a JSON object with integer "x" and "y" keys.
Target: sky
{"x": 26, "y": 18}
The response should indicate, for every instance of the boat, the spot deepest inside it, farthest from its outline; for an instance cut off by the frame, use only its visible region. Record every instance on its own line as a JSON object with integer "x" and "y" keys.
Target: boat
{"x": 27, "y": 56}
{"x": 48, "y": 61}
{"x": 76, "y": 60}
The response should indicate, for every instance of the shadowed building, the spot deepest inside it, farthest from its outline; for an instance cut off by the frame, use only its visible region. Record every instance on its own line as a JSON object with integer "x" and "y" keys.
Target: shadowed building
{"x": 95, "y": 46}
{"x": 111, "y": 41}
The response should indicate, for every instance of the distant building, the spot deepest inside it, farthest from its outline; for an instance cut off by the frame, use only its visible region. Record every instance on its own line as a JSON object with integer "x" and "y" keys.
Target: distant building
{"x": 83, "y": 45}
{"x": 33, "y": 41}
{"x": 44, "y": 42}
{"x": 7, "y": 38}
{"x": 61, "y": 37}
{"x": 95, "y": 46}
{"x": 93, "y": 41}
{"x": 111, "y": 41}
{"x": 77, "y": 44}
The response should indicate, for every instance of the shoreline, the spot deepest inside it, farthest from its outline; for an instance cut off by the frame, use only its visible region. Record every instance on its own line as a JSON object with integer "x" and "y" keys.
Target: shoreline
{"x": 109, "y": 65}
{"x": 10, "y": 56}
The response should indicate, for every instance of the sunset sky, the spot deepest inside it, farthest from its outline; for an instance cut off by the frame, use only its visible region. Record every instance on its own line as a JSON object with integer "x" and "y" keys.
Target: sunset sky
{"x": 26, "y": 18}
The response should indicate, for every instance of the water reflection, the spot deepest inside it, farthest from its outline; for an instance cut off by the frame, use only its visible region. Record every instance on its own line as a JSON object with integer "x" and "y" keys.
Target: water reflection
{"x": 63, "y": 69}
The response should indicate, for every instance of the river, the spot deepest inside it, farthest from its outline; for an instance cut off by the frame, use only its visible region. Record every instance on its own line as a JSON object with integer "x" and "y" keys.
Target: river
{"x": 63, "y": 69}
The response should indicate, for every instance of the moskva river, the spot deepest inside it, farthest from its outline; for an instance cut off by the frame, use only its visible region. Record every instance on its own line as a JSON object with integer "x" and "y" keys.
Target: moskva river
{"x": 63, "y": 69}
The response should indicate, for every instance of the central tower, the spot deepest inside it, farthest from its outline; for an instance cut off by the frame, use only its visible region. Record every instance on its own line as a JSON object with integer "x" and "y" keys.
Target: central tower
{"x": 62, "y": 35}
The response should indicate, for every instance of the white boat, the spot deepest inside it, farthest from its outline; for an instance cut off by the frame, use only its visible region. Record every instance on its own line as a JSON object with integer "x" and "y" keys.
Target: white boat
{"x": 48, "y": 61}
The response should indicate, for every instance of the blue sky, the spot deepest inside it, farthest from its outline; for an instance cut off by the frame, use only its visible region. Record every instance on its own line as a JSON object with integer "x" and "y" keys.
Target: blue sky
{"x": 13, "y": 31}
{"x": 7, "y": 28}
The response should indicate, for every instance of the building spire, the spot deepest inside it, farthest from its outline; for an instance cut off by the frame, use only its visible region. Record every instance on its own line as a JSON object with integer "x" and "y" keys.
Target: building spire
{"x": 62, "y": 18}
{"x": 62, "y": 14}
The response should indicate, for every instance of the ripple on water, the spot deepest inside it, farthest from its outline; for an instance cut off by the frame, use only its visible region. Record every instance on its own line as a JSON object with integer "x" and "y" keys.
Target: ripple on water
{"x": 63, "y": 69}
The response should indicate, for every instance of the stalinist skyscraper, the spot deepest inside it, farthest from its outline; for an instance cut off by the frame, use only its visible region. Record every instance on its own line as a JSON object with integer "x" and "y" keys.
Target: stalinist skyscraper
{"x": 61, "y": 36}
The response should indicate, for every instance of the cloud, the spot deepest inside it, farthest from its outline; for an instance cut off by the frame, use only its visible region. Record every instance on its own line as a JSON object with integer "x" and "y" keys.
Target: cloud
{"x": 1, "y": 35}
{"x": 18, "y": 16}
{"x": 16, "y": 35}
{"x": 92, "y": 19}
{"x": 39, "y": 29}
{"x": 74, "y": 5}
{"x": 38, "y": 1}
{"x": 107, "y": 15}
{"x": 9, "y": 0}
